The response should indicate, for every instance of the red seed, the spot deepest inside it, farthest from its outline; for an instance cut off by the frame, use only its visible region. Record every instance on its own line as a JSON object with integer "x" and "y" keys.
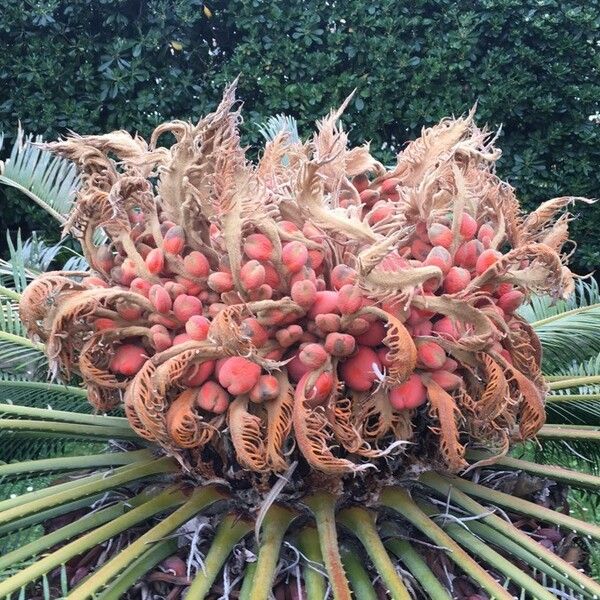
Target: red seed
{"x": 440, "y": 235}
{"x": 185, "y": 306}
{"x": 174, "y": 289}
{"x": 165, "y": 226}
{"x": 388, "y": 187}
{"x": 384, "y": 356}
{"x": 420, "y": 249}
{"x": 350, "y": 299}
{"x": 182, "y": 338}
{"x": 174, "y": 240}
{"x": 220, "y": 281}
{"x": 155, "y": 261}
{"x": 340, "y": 344}
{"x": 117, "y": 275}
{"x": 328, "y": 322}
{"x": 409, "y": 395}
{"x": 503, "y": 288}
{"x": 468, "y": 226}
{"x": 215, "y": 308}
{"x": 369, "y": 197}
{"x": 456, "y": 280}
{"x": 450, "y": 365}
{"x": 486, "y": 259}
{"x": 321, "y": 390}
{"x": 288, "y": 227}
{"x": 199, "y": 373}
{"x": 445, "y": 379}
{"x": 258, "y": 246}
{"x": 197, "y": 327}
{"x": 212, "y": 398}
{"x": 360, "y": 182}
{"x": 128, "y": 360}
{"x": 92, "y": 282}
{"x": 129, "y": 311}
{"x": 191, "y": 287}
{"x": 141, "y": 286}
{"x": 439, "y": 257}
{"x": 313, "y": 233}
{"x": 395, "y": 261}
{"x": 104, "y": 259}
{"x": 374, "y": 335}
{"x": 467, "y": 254}
{"x": 251, "y": 329}
{"x": 252, "y": 275}
{"x": 313, "y": 355}
{"x": 359, "y": 371}
{"x": 296, "y": 368}
{"x": 294, "y": 256}
{"x": 325, "y": 302}
{"x": 446, "y": 328}
{"x": 271, "y": 275}
{"x": 430, "y": 355}
{"x": 315, "y": 258}
{"x": 143, "y": 249}
{"x": 160, "y": 298}
{"x": 173, "y": 565}
{"x": 196, "y": 264}
{"x": 102, "y": 323}
{"x": 266, "y": 389}
{"x": 358, "y": 326}
{"x": 379, "y": 213}
{"x": 485, "y": 234}
{"x": 417, "y": 315}
{"x": 304, "y": 293}
{"x": 510, "y": 301}
{"x": 289, "y": 336}
{"x": 264, "y": 292}
{"x": 421, "y": 231}
{"x": 129, "y": 270}
{"x": 238, "y": 375}
{"x": 163, "y": 320}
{"x": 342, "y": 275}
{"x": 161, "y": 340}
{"x": 422, "y": 328}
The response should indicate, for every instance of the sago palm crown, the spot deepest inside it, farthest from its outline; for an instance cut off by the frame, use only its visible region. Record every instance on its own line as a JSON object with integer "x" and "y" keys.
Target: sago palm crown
{"x": 300, "y": 377}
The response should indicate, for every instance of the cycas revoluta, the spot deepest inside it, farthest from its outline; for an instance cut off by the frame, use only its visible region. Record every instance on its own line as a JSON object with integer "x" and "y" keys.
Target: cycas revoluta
{"x": 314, "y": 348}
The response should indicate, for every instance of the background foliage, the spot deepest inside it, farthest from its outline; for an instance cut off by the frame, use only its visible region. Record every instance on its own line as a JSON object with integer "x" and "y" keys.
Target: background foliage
{"x": 533, "y": 66}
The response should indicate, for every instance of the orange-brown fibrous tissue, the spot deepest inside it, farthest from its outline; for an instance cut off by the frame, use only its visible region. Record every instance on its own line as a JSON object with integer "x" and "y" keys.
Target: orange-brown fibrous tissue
{"x": 312, "y": 306}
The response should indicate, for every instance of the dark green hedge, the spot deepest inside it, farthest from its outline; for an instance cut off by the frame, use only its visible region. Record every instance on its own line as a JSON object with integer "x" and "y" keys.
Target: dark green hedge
{"x": 532, "y": 66}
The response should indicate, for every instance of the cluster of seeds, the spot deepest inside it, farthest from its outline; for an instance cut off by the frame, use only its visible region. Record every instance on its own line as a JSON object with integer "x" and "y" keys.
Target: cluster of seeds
{"x": 315, "y": 304}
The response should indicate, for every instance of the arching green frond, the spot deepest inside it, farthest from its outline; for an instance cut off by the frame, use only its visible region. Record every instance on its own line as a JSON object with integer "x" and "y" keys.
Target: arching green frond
{"x": 48, "y": 180}
{"x": 580, "y": 402}
{"x": 44, "y": 394}
{"x": 559, "y": 323}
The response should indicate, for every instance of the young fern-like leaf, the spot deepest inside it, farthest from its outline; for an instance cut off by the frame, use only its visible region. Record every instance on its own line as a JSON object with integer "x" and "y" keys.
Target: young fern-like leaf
{"x": 48, "y": 180}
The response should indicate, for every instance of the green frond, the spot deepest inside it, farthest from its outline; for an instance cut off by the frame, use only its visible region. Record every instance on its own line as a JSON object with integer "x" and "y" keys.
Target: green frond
{"x": 573, "y": 397}
{"x": 50, "y": 181}
{"x": 18, "y": 354}
{"x": 43, "y": 394}
{"x": 277, "y": 124}
{"x": 558, "y": 324}
{"x": 15, "y": 269}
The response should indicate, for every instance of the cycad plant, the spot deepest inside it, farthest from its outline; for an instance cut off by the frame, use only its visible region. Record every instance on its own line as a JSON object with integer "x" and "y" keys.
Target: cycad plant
{"x": 308, "y": 377}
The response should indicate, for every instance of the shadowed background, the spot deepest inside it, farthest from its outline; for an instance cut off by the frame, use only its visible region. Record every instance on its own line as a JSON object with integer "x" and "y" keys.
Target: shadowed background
{"x": 95, "y": 65}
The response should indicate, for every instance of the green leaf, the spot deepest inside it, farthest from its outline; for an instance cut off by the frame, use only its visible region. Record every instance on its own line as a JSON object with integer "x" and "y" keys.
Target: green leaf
{"x": 50, "y": 181}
